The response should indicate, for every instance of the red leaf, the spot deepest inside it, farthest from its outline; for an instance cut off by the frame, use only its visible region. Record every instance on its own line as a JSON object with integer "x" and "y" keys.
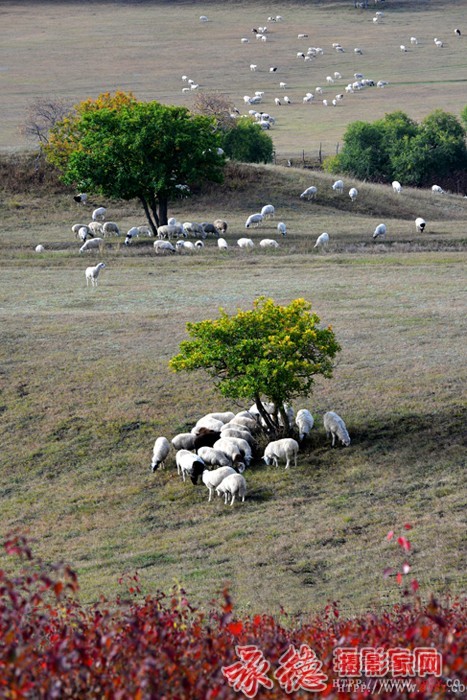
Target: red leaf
{"x": 399, "y": 578}
{"x": 390, "y": 535}
{"x": 404, "y": 543}
{"x": 414, "y": 585}
{"x": 257, "y": 620}
{"x": 408, "y": 526}
{"x": 235, "y": 628}
{"x": 387, "y": 572}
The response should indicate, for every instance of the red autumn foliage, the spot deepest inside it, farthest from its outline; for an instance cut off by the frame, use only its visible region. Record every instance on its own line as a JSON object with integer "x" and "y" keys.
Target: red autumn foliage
{"x": 52, "y": 646}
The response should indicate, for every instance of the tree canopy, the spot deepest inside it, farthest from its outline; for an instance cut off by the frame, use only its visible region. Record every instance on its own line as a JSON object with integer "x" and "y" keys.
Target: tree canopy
{"x": 397, "y": 148}
{"x": 119, "y": 147}
{"x": 270, "y": 353}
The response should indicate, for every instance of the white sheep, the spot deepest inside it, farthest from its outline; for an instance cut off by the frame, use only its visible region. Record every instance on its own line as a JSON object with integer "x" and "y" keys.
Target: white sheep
{"x": 133, "y": 232}
{"x": 232, "y": 486}
{"x": 397, "y": 187}
{"x": 309, "y": 193}
{"x": 199, "y": 245}
{"x": 187, "y": 462}
{"x": 229, "y": 448}
{"x": 282, "y": 228}
{"x": 254, "y": 220}
{"x": 353, "y": 193}
{"x": 171, "y": 231}
{"x": 39, "y": 248}
{"x": 160, "y": 451}
{"x": 111, "y": 228}
{"x": 335, "y": 427}
{"x": 243, "y": 445}
{"x": 84, "y": 232}
{"x": 99, "y": 214}
{"x": 220, "y": 225}
{"x": 246, "y": 243}
{"x": 436, "y": 189}
{"x": 420, "y": 224}
{"x": 222, "y": 243}
{"x": 76, "y": 227}
{"x": 163, "y": 247}
{"x": 240, "y": 432}
{"x": 246, "y": 419}
{"x": 268, "y": 243}
{"x": 91, "y": 244}
{"x": 194, "y": 229}
{"x": 208, "y": 423}
{"x": 380, "y": 231}
{"x": 224, "y": 416}
{"x": 92, "y": 273}
{"x": 96, "y": 228}
{"x": 81, "y": 198}
{"x": 268, "y": 211}
{"x": 304, "y": 422}
{"x": 213, "y": 478}
{"x": 284, "y": 449}
{"x": 184, "y": 441}
{"x": 277, "y": 102}
{"x": 322, "y": 241}
{"x": 413, "y": 40}
{"x": 338, "y": 186}
{"x": 183, "y": 247}
{"x": 215, "y": 458}
{"x": 203, "y": 18}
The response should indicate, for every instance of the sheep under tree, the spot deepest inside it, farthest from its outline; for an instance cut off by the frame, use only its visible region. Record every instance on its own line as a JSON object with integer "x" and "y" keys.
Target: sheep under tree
{"x": 268, "y": 354}
{"x": 118, "y": 147}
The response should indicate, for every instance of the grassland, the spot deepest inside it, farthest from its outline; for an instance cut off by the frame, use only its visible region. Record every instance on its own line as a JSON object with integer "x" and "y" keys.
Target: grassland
{"x": 85, "y": 389}
{"x": 73, "y": 50}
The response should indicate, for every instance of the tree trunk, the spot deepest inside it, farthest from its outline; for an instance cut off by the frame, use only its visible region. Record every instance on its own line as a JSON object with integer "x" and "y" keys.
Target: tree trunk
{"x": 285, "y": 419}
{"x": 163, "y": 207}
{"x": 153, "y": 205}
{"x": 152, "y": 223}
{"x": 270, "y": 427}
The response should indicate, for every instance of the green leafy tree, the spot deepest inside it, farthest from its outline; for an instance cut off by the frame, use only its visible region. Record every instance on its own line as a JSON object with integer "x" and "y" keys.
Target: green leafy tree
{"x": 119, "y": 147}
{"x": 247, "y": 142}
{"x": 464, "y": 117}
{"x": 270, "y": 353}
{"x": 363, "y": 155}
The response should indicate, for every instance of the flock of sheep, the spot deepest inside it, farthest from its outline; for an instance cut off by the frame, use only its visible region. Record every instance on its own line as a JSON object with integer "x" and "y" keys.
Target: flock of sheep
{"x": 220, "y": 446}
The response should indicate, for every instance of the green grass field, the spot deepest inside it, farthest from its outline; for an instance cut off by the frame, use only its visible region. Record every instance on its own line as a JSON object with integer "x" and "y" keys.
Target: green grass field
{"x": 85, "y": 390}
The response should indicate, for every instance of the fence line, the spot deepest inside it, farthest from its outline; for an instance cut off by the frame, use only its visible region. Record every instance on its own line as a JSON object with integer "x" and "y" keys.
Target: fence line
{"x": 304, "y": 158}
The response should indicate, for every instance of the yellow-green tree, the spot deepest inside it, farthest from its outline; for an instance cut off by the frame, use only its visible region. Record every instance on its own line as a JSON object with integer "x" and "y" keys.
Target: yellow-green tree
{"x": 269, "y": 353}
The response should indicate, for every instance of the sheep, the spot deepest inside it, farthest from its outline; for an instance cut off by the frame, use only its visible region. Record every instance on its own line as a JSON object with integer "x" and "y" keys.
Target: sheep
{"x": 382, "y": 83}
{"x": 230, "y": 449}
{"x": 39, "y": 248}
{"x": 214, "y": 458}
{"x": 309, "y": 193}
{"x": 209, "y": 228}
{"x": 199, "y": 245}
{"x": 232, "y": 486}
{"x": 92, "y": 273}
{"x": 282, "y": 228}
{"x": 413, "y": 40}
{"x": 133, "y": 232}
{"x": 203, "y": 18}
{"x": 243, "y": 445}
{"x": 268, "y": 243}
{"x": 143, "y": 230}
{"x": 220, "y": 225}
{"x": 254, "y": 220}
{"x": 245, "y": 419}
{"x": 81, "y": 198}
{"x": 439, "y": 43}
{"x": 183, "y": 247}
{"x": 335, "y": 427}
{"x": 222, "y": 244}
{"x": 95, "y": 228}
{"x": 244, "y": 40}
{"x": 209, "y": 423}
{"x": 91, "y": 244}
{"x": 240, "y": 435}
{"x": 160, "y": 451}
{"x": 322, "y": 241}
{"x": 403, "y": 48}
{"x": 194, "y": 229}
{"x": 287, "y": 100}
{"x": 111, "y": 228}
{"x": 309, "y": 97}
{"x": 84, "y": 232}
{"x": 246, "y": 243}
{"x": 98, "y": 214}
{"x": 184, "y": 441}
{"x": 396, "y": 187}
{"x": 188, "y": 464}
{"x": 436, "y": 189}
{"x": 212, "y": 479}
{"x": 268, "y": 211}
{"x": 353, "y": 193}
{"x": 163, "y": 247}
{"x": 285, "y": 448}
{"x": 338, "y": 186}
{"x": 224, "y": 416}
{"x": 380, "y": 230}
{"x": 167, "y": 231}
{"x": 304, "y": 422}
{"x": 76, "y": 227}
{"x": 277, "y": 102}
{"x": 420, "y": 224}
{"x": 457, "y": 32}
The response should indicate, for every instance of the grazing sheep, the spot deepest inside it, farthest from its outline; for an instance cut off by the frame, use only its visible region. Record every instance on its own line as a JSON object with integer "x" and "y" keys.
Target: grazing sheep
{"x": 213, "y": 479}
{"x": 110, "y": 228}
{"x": 245, "y": 419}
{"x": 209, "y": 228}
{"x": 436, "y": 189}
{"x": 98, "y": 214}
{"x": 133, "y": 232}
{"x": 160, "y": 451}
{"x": 335, "y": 427}
{"x": 420, "y": 224}
{"x": 241, "y": 444}
{"x": 253, "y": 67}
{"x": 224, "y": 416}
{"x": 282, "y": 228}
{"x": 194, "y": 229}
{"x": 268, "y": 243}
{"x": 232, "y": 486}
{"x": 91, "y": 244}
{"x": 167, "y": 231}
{"x": 286, "y": 448}
{"x": 353, "y": 193}
{"x": 92, "y": 273}
{"x": 246, "y": 243}
{"x": 95, "y": 227}
{"x": 304, "y": 421}
{"x": 188, "y": 464}
{"x": 268, "y": 211}
{"x": 413, "y": 40}
{"x": 380, "y": 231}
{"x": 81, "y": 198}
{"x": 309, "y": 193}
{"x": 277, "y": 102}
{"x": 203, "y": 18}
{"x": 183, "y": 247}
{"x": 84, "y": 232}
{"x": 322, "y": 241}
{"x": 338, "y": 186}
{"x": 397, "y": 187}
{"x": 39, "y": 248}
{"x": 209, "y": 423}
{"x": 163, "y": 247}
{"x": 230, "y": 449}
{"x": 239, "y": 432}
{"x": 457, "y": 32}
{"x": 76, "y": 227}
{"x": 184, "y": 441}
{"x": 222, "y": 243}
{"x": 254, "y": 220}
{"x": 215, "y": 458}
{"x": 220, "y": 225}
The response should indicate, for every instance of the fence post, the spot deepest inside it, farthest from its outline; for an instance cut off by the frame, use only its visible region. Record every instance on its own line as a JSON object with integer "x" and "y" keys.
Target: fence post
{"x": 319, "y": 154}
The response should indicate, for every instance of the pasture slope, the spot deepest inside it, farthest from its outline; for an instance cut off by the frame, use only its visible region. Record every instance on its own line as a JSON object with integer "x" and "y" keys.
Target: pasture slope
{"x": 86, "y": 390}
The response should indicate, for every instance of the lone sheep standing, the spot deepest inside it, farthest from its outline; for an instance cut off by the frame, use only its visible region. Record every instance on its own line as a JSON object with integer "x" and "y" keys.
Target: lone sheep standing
{"x": 420, "y": 224}
{"x": 92, "y": 273}
{"x": 232, "y": 486}
{"x": 335, "y": 427}
{"x": 160, "y": 452}
{"x": 286, "y": 449}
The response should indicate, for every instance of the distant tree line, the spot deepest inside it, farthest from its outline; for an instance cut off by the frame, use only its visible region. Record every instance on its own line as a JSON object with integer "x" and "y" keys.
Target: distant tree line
{"x": 397, "y": 148}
